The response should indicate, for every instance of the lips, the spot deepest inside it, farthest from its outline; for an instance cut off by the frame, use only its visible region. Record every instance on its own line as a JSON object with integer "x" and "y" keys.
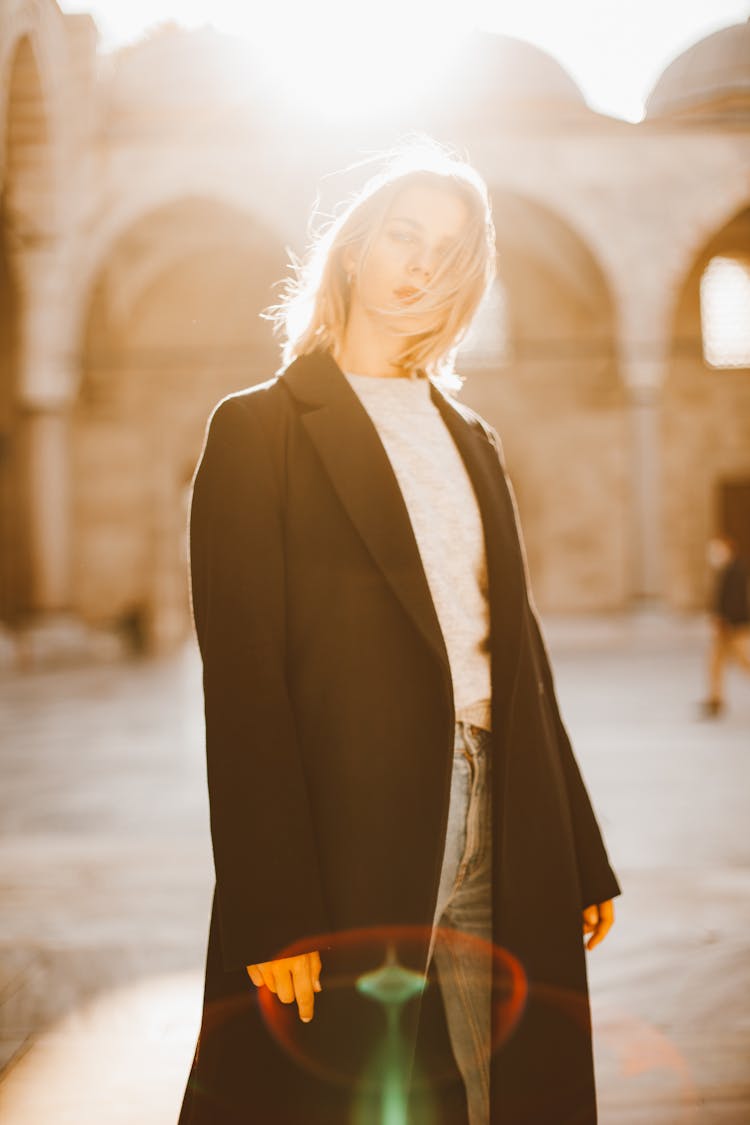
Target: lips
{"x": 407, "y": 293}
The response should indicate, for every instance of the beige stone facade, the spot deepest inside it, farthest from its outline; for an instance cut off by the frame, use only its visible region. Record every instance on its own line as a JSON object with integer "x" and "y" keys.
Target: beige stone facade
{"x": 147, "y": 206}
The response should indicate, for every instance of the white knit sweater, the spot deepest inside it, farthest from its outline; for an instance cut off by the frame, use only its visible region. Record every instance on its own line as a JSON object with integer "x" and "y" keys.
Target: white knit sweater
{"x": 447, "y": 526}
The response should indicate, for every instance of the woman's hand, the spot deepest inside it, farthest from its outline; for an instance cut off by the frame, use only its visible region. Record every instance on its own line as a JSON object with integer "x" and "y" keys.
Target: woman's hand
{"x": 598, "y": 919}
{"x": 290, "y": 978}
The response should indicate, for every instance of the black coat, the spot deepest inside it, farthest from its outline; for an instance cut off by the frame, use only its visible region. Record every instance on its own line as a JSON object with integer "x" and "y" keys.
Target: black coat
{"x": 731, "y": 596}
{"x": 329, "y": 738}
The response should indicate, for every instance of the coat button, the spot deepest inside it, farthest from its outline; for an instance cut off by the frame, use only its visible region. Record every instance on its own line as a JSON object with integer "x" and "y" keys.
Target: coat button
{"x": 540, "y": 685}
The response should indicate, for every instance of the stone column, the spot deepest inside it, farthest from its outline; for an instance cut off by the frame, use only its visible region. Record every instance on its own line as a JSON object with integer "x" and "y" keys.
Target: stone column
{"x": 46, "y": 454}
{"x": 46, "y": 387}
{"x": 168, "y": 621}
{"x": 647, "y": 517}
{"x": 644, "y": 378}
{"x": 644, "y": 305}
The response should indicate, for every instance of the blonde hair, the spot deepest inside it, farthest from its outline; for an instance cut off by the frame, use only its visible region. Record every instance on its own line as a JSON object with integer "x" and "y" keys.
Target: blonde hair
{"x": 314, "y": 309}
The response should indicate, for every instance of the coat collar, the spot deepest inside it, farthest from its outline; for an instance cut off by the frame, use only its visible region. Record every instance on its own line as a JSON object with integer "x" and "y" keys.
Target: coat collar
{"x": 359, "y": 468}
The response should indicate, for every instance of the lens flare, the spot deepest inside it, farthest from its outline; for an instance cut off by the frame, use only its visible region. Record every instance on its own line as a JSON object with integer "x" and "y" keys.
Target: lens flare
{"x": 375, "y": 979}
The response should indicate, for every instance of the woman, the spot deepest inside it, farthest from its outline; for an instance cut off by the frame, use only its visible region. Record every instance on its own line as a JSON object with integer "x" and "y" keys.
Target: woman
{"x": 406, "y": 856}
{"x": 730, "y": 618}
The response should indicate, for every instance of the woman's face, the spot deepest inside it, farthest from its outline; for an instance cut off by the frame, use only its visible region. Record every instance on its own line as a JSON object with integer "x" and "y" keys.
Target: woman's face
{"x": 718, "y": 553}
{"x": 422, "y": 225}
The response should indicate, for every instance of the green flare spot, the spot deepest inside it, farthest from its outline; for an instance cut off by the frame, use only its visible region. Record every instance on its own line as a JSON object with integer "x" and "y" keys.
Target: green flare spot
{"x": 392, "y": 986}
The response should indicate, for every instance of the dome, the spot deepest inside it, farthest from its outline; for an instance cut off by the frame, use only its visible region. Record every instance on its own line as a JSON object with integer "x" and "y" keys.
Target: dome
{"x": 714, "y": 70}
{"x": 171, "y": 66}
{"x": 496, "y": 68}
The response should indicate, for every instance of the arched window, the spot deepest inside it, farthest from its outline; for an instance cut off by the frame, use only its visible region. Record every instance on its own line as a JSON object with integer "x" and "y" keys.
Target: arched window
{"x": 486, "y": 343}
{"x": 725, "y": 312}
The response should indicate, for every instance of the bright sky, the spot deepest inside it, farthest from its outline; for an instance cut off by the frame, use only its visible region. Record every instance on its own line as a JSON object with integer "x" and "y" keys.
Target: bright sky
{"x": 614, "y": 50}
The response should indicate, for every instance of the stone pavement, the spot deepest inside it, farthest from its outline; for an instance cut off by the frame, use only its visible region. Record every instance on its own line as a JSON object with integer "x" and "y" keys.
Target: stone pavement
{"x": 106, "y": 873}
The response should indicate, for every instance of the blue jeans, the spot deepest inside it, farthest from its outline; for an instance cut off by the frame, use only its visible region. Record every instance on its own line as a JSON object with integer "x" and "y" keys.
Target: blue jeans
{"x": 464, "y": 912}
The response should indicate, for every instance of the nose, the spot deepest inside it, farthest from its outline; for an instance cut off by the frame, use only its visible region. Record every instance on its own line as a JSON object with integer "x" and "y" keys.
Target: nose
{"x": 420, "y": 263}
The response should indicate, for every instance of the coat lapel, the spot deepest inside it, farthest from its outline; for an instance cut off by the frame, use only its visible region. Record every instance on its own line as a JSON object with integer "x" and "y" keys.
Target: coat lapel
{"x": 355, "y": 459}
{"x": 361, "y": 473}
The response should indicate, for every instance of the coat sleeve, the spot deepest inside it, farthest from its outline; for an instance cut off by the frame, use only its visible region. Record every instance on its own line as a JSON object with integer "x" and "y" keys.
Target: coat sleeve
{"x": 597, "y": 879}
{"x": 268, "y": 883}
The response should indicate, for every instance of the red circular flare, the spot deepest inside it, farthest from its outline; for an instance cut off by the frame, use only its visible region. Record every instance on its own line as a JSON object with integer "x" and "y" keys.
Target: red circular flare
{"x": 345, "y": 957}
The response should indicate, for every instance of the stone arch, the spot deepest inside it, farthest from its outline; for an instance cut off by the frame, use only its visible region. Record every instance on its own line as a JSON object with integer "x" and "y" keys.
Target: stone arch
{"x": 158, "y": 191}
{"x": 33, "y": 124}
{"x": 716, "y": 211}
{"x": 172, "y": 326}
{"x": 559, "y": 404}
{"x": 705, "y": 431}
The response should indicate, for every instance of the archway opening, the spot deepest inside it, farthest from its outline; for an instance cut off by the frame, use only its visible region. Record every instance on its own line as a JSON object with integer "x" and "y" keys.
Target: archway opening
{"x": 544, "y": 371}
{"x": 173, "y": 325}
{"x": 705, "y": 421}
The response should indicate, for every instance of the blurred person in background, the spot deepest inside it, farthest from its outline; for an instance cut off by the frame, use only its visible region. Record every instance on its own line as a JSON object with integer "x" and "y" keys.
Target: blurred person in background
{"x": 390, "y": 780}
{"x": 730, "y": 618}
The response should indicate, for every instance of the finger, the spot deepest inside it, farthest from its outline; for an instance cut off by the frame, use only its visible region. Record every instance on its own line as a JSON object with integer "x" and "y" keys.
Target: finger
{"x": 303, "y": 988}
{"x": 266, "y": 969}
{"x": 590, "y": 919}
{"x": 594, "y": 940}
{"x": 599, "y": 934}
{"x": 604, "y": 925}
{"x": 284, "y": 986}
{"x": 315, "y": 970}
{"x": 255, "y": 975}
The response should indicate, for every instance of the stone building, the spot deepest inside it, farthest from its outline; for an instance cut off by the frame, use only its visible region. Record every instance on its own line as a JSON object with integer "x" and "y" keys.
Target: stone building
{"x": 148, "y": 201}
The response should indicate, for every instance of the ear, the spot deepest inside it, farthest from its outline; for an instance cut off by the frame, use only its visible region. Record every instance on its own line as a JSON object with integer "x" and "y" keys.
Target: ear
{"x": 348, "y": 260}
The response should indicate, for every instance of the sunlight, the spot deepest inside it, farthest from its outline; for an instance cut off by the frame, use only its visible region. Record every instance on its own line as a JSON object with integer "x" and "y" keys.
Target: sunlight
{"x": 333, "y": 60}
{"x": 122, "y": 1056}
{"x": 725, "y": 312}
{"x": 339, "y": 59}
{"x": 396, "y": 48}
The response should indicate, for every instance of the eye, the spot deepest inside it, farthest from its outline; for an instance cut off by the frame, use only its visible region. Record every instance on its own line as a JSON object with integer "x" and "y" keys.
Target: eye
{"x": 402, "y": 236}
